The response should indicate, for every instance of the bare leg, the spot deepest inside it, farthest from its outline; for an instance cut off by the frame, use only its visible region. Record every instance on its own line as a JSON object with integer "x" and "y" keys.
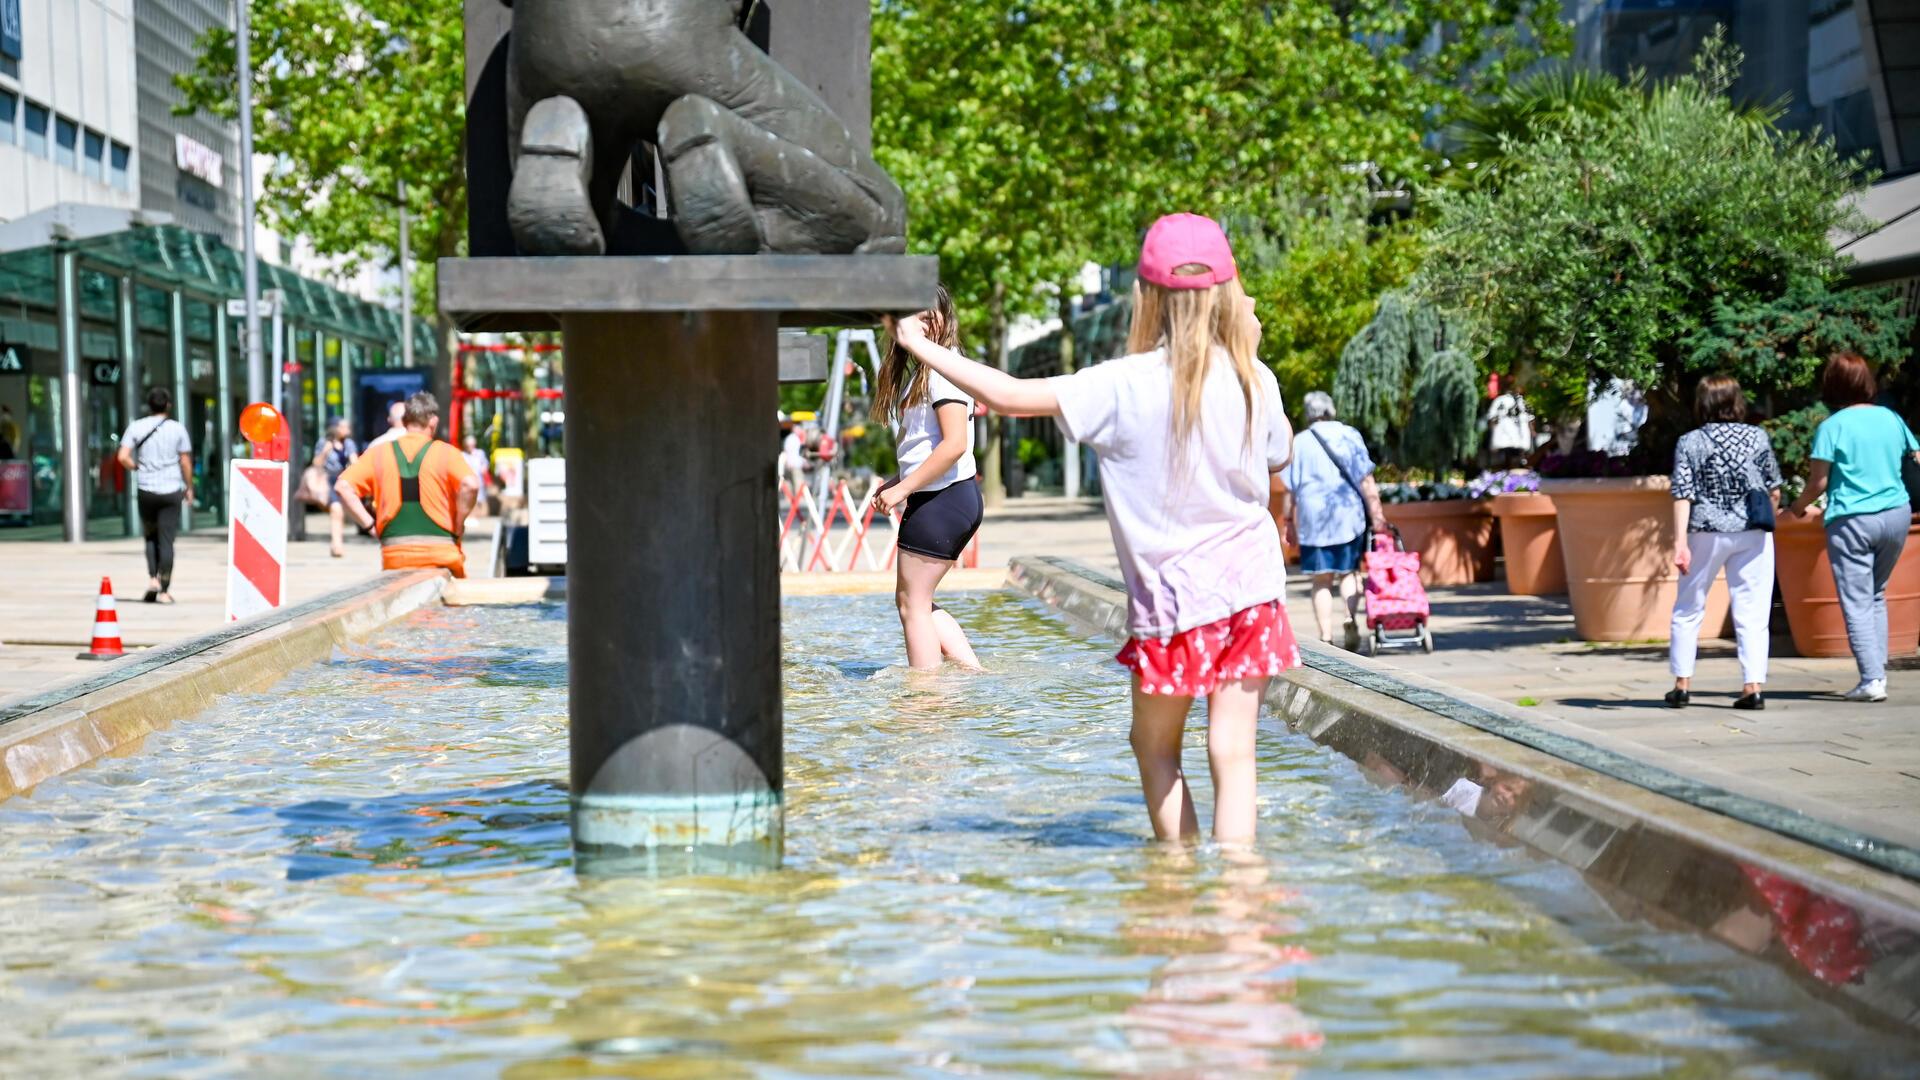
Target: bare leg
{"x": 915, "y": 578}
{"x": 953, "y": 640}
{"x": 1233, "y": 713}
{"x": 336, "y": 529}
{"x": 1351, "y": 590}
{"x": 1159, "y": 722}
{"x": 1323, "y": 605}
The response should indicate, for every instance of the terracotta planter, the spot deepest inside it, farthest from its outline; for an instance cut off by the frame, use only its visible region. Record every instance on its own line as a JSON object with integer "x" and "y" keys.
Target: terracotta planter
{"x": 1813, "y": 606}
{"x": 1616, "y": 536}
{"x": 1453, "y": 536}
{"x": 1530, "y": 536}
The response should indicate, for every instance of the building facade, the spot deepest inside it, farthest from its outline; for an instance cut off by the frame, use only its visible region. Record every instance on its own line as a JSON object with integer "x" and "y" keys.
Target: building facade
{"x": 189, "y": 165}
{"x": 1847, "y": 68}
{"x": 69, "y": 119}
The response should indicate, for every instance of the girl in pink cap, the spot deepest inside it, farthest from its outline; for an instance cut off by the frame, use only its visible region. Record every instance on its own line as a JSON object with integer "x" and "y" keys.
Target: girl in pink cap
{"x": 1187, "y": 429}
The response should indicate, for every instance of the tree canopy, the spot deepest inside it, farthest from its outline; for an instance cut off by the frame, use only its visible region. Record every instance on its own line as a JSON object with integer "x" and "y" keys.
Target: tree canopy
{"x": 1614, "y": 238}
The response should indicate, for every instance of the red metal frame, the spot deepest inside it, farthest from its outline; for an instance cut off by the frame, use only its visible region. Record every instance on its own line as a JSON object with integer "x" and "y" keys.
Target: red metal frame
{"x": 462, "y": 395}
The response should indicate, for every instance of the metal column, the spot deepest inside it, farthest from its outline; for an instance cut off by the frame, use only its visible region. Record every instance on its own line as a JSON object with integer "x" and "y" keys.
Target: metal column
{"x": 132, "y": 398}
{"x": 224, "y": 422}
{"x": 674, "y": 617}
{"x": 319, "y": 383}
{"x": 177, "y": 351}
{"x": 347, "y": 347}
{"x": 73, "y": 448}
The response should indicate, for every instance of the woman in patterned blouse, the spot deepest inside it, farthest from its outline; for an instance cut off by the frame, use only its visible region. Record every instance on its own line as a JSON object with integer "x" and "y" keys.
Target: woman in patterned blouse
{"x": 1724, "y": 479}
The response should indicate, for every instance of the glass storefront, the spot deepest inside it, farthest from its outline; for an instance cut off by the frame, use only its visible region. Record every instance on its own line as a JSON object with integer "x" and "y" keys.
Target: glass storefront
{"x": 352, "y": 336}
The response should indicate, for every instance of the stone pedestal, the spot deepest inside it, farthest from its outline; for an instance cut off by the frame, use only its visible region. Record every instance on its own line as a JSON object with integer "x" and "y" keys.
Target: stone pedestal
{"x": 673, "y": 574}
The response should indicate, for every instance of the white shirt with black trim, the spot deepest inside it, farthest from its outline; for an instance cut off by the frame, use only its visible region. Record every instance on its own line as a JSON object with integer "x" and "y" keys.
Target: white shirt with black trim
{"x": 917, "y": 432}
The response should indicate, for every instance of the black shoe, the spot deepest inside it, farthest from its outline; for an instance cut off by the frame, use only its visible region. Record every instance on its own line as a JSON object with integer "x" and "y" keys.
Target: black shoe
{"x": 1679, "y": 698}
{"x": 1750, "y": 701}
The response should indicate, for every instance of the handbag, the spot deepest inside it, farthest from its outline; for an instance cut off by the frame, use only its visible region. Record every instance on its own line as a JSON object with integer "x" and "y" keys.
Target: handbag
{"x": 1760, "y": 510}
{"x": 1910, "y": 476}
{"x": 313, "y": 486}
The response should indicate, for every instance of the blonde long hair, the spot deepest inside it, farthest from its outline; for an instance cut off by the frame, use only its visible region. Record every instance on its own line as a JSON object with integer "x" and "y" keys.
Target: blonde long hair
{"x": 902, "y": 379}
{"x": 1189, "y": 323}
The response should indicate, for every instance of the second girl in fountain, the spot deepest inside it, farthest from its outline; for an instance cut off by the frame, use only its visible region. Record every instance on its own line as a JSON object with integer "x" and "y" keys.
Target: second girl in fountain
{"x": 936, "y": 489}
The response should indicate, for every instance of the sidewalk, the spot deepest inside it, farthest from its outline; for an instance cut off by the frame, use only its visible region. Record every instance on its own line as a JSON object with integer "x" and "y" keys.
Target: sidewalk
{"x": 1853, "y": 765}
{"x": 46, "y": 609}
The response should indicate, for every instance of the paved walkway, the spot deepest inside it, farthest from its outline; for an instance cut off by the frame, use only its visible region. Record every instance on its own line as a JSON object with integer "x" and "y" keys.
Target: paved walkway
{"x": 1853, "y": 765}
{"x": 46, "y": 608}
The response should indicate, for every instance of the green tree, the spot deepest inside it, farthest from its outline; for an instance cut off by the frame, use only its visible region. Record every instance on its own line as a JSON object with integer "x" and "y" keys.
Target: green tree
{"x": 1612, "y": 237}
{"x": 1407, "y": 384}
{"x": 1779, "y": 342}
{"x": 350, "y": 100}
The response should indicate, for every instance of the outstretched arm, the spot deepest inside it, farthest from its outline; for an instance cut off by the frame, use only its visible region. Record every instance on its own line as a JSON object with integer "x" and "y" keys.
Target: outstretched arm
{"x": 1005, "y": 394}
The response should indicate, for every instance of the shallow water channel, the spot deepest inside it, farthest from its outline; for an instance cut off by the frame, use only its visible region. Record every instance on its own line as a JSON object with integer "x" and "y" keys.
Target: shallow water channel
{"x": 366, "y": 871}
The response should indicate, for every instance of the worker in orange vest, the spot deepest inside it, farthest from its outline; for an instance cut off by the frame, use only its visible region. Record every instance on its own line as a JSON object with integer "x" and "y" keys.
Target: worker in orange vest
{"x": 422, "y": 489}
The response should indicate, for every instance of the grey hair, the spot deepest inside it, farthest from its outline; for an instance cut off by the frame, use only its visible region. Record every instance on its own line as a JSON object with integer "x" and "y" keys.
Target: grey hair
{"x": 1319, "y": 405}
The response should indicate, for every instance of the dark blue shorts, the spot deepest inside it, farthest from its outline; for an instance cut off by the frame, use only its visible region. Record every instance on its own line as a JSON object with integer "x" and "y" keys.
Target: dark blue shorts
{"x": 938, "y": 524}
{"x": 1334, "y": 558}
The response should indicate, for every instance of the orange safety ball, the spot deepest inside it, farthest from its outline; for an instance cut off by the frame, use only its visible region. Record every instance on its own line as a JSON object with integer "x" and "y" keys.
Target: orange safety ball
{"x": 260, "y": 422}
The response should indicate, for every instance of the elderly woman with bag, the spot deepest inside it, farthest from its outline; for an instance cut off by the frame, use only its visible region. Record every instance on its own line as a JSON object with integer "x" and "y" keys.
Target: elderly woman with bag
{"x": 1724, "y": 477}
{"x": 1865, "y": 462}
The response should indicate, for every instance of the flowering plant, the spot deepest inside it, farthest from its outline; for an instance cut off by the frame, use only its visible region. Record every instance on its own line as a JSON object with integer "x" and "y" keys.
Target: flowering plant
{"x": 1427, "y": 492}
{"x": 1504, "y": 482}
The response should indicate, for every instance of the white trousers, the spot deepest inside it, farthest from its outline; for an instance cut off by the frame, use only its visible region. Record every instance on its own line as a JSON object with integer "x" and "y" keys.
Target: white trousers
{"x": 1748, "y": 559}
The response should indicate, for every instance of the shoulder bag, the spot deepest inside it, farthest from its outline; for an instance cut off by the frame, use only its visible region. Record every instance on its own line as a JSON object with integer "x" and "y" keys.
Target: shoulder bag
{"x": 1341, "y": 468}
{"x": 1909, "y": 467}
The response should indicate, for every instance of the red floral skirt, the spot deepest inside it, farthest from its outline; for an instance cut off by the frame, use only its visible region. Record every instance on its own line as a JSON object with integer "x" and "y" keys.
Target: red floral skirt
{"x": 1254, "y": 643}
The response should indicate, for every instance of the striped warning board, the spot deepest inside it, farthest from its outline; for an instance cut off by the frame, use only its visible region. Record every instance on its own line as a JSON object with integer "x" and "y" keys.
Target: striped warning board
{"x": 256, "y": 537}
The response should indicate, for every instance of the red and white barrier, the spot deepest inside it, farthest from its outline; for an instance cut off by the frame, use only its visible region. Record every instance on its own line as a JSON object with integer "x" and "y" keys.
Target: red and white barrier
{"x": 256, "y": 537}
{"x": 808, "y": 541}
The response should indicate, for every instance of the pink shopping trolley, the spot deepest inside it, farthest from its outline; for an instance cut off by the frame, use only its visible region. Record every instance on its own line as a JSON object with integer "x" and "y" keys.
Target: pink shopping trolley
{"x": 1397, "y": 610}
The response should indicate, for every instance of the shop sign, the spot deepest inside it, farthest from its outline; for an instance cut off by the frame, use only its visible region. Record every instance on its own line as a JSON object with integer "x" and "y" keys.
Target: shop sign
{"x": 12, "y": 362}
{"x": 106, "y": 373}
{"x": 196, "y": 159}
{"x": 10, "y": 29}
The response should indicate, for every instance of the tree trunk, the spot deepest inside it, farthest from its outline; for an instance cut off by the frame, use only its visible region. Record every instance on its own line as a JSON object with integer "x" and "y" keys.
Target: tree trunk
{"x": 993, "y": 485}
{"x": 1069, "y": 450}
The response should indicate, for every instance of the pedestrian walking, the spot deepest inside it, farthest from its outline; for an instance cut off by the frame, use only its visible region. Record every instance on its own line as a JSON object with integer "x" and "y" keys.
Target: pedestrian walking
{"x": 1331, "y": 504}
{"x": 1725, "y": 477}
{"x": 477, "y": 461}
{"x": 335, "y": 451}
{"x": 935, "y": 490}
{"x": 158, "y": 452}
{"x": 1187, "y": 429}
{"x": 423, "y": 491}
{"x": 1858, "y": 454}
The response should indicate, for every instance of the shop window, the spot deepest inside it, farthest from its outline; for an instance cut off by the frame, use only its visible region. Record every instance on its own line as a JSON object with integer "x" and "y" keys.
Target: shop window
{"x": 36, "y": 130}
{"x": 66, "y": 143}
{"x": 93, "y": 163}
{"x": 9, "y": 111}
{"x": 117, "y": 167}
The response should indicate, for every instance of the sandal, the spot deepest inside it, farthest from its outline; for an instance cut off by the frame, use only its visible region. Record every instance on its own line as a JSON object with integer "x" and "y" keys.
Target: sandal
{"x": 166, "y": 598}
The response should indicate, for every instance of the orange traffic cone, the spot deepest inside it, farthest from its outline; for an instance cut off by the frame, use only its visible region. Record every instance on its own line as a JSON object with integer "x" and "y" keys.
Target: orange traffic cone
{"x": 106, "y": 627}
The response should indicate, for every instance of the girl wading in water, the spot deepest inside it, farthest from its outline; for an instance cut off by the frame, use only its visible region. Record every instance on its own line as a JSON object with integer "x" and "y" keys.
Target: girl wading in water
{"x": 1188, "y": 429}
{"x": 939, "y": 499}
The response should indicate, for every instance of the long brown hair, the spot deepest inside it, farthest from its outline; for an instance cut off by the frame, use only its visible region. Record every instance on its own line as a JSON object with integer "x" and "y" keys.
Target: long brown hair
{"x": 902, "y": 381}
{"x": 1189, "y": 323}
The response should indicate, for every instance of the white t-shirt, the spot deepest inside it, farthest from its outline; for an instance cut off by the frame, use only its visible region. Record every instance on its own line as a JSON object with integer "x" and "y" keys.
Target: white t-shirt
{"x": 1198, "y": 546}
{"x": 158, "y": 460}
{"x": 917, "y": 432}
{"x": 793, "y": 456}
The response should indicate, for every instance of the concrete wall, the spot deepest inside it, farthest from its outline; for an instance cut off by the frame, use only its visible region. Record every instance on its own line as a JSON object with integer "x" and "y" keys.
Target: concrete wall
{"x": 77, "y": 63}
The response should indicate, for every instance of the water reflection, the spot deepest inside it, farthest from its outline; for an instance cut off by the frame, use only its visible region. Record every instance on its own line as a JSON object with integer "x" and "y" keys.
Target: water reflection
{"x": 367, "y": 872}
{"x": 1223, "y": 1003}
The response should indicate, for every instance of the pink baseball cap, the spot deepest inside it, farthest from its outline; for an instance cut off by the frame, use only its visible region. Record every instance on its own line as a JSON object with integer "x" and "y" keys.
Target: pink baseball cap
{"x": 1183, "y": 239}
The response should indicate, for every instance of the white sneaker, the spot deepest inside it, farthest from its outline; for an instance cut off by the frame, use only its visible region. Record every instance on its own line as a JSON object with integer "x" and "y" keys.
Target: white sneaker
{"x": 1868, "y": 690}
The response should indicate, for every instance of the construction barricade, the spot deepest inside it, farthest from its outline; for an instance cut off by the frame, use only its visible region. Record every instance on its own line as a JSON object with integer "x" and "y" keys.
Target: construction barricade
{"x": 850, "y": 535}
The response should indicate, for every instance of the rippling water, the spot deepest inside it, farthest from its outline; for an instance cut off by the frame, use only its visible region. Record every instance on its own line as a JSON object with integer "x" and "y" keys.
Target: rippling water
{"x": 366, "y": 872}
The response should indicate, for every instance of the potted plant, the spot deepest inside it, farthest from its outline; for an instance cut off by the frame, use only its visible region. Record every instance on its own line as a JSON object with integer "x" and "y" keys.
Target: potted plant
{"x": 1529, "y": 531}
{"x": 1806, "y": 576}
{"x": 1593, "y": 256}
{"x": 1447, "y": 525}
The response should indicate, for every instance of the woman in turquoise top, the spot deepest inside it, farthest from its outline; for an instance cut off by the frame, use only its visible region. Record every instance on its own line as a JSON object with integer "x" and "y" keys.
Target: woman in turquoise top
{"x": 1856, "y": 464}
